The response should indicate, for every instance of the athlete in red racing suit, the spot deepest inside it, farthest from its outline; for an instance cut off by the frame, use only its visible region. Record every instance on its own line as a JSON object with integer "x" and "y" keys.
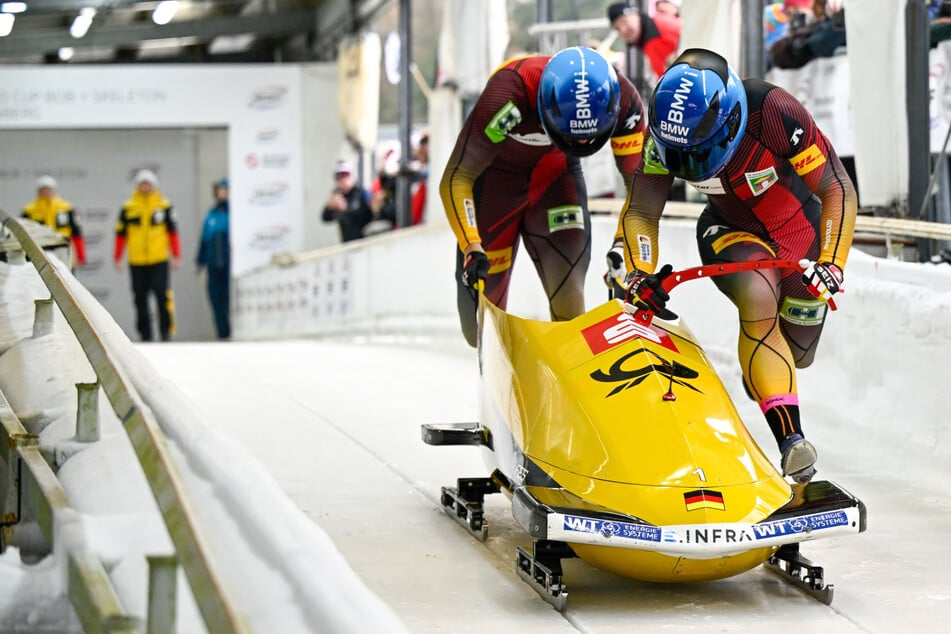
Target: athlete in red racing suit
{"x": 513, "y": 176}
{"x": 775, "y": 189}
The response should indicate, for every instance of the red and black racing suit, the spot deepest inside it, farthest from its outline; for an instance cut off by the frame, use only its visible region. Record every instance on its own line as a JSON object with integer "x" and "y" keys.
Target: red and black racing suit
{"x": 505, "y": 182}
{"x": 783, "y": 194}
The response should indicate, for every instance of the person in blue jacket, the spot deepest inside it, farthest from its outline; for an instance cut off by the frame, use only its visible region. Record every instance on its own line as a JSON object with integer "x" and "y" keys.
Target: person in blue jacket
{"x": 214, "y": 254}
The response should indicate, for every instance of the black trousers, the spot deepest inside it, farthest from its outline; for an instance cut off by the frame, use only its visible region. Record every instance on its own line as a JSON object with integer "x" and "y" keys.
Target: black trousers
{"x": 219, "y": 294}
{"x": 153, "y": 279}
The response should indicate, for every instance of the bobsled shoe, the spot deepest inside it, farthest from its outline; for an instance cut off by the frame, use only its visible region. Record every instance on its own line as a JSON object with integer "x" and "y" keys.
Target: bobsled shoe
{"x": 798, "y": 458}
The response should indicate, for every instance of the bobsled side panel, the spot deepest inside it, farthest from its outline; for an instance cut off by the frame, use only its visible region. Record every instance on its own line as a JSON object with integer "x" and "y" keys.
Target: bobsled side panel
{"x": 697, "y": 503}
{"x": 658, "y": 567}
{"x": 524, "y": 366}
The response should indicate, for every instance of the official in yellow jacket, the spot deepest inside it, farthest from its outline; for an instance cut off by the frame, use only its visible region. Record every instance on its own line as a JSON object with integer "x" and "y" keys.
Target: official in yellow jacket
{"x": 147, "y": 226}
{"x": 58, "y": 214}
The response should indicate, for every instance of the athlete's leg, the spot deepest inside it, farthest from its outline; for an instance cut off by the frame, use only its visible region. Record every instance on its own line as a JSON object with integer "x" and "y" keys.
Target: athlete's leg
{"x": 802, "y": 316}
{"x": 500, "y": 205}
{"x": 557, "y": 234}
{"x": 767, "y": 363}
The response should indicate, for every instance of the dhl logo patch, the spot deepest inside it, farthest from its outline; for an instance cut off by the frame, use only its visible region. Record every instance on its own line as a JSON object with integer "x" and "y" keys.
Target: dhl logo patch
{"x": 733, "y": 237}
{"x": 808, "y": 160}
{"x": 628, "y": 144}
{"x": 500, "y": 260}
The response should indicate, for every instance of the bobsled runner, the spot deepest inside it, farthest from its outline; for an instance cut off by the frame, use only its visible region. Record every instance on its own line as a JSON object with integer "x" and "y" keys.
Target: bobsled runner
{"x": 617, "y": 443}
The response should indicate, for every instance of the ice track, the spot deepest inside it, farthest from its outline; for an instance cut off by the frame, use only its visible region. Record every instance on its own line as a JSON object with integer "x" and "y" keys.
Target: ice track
{"x": 337, "y": 425}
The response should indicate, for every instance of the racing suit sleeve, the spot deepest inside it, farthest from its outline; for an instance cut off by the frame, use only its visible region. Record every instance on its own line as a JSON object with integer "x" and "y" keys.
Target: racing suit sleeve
{"x": 639, "y": 223}
{"x": 498, "y": 110}
{"x": 627, "y": 143}
{"x": 791, "y": 132}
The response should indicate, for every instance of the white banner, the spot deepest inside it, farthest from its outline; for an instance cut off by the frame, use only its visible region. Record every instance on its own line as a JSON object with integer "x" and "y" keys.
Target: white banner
{"x": 472, "y": 43}
{"x": 359, "y": 63}
{"x": 259, "y": 104}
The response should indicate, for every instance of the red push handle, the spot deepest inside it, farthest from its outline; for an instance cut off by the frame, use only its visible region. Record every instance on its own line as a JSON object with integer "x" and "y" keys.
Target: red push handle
{"x": 712, "y": 270}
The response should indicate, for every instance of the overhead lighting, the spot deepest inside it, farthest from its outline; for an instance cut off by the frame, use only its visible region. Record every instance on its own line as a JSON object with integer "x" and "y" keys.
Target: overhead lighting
{"x": 66, "y": 53}
{"x": 165, "y": 11}
{"x": 12, "y": 7}
{"x": 6, "y": 24}
{"x": 82, "y": 22}
{"x": 230, "y": 44}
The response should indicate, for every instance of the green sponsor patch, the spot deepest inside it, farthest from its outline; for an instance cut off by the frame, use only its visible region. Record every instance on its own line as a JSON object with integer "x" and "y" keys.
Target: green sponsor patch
{"x": 502, "y": 123}
{"x": 804, "y": 312}
{"x": 652, "y": 162}
{"x": 565, "y": 217}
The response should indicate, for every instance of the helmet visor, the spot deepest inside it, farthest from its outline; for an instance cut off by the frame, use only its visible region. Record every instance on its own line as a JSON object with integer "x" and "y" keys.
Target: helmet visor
{"x": 700, "y": 162}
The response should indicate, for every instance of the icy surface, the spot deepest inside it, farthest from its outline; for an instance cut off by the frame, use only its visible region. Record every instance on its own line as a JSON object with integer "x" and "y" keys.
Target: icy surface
{"x": 307, "y": 455}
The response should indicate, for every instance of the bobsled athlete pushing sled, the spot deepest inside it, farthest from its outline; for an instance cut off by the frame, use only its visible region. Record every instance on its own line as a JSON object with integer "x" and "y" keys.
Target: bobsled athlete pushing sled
{"x": 617, "y": 443}
{"x": 609, "y": 429}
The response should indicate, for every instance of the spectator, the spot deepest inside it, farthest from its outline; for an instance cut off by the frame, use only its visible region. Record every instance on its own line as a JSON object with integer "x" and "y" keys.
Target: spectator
{"x": 54, "y": 212}
{"x": 147, "y": 224}
{"x": 421, "y": 171}
{"x": 349, "y": 204}
{"x": 214, "y": 254}
{"x": 811, "y": 32}
{"x": 657, "y": 36}
{"x": 383, "y": 193}
{"x": 667, "y": 6}
{"x": 776, "y": 21}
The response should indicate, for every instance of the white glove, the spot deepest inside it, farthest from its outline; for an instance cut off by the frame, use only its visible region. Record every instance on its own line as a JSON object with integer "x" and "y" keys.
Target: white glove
{"x": 822, "y": 279}
{"x": 615, "y": 260}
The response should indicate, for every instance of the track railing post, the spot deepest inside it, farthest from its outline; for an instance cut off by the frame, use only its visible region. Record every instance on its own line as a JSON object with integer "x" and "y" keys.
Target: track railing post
{"x": 163, "y": 594}
{"x": 87, "y": 412}
{"x": 43, "y": 317}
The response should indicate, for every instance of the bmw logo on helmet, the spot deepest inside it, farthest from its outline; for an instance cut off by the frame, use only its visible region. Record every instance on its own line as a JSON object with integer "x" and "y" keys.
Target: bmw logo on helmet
{"x": 578, "y": 100}
{"x": 698, "y": 115}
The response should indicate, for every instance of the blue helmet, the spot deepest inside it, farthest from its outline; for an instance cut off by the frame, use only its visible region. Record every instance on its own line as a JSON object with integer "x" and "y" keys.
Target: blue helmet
{"x": 578, "y": 100}
{"x": 697, "y": 115}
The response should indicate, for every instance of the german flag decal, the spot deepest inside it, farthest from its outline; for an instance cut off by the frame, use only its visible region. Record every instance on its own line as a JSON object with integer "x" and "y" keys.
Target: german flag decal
{"x": 704, "y": 499}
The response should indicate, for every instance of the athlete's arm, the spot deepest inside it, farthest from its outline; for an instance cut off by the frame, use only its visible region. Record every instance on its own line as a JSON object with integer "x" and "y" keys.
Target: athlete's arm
{"x": 627, "y": 145}
{"x": 640, "y": 220}
{"x": 500, "y": 107}
{"x": 796, "y": 137}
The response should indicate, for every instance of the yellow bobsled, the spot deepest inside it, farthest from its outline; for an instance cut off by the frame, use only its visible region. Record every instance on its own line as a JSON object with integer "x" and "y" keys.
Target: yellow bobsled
{"x": 617, "y": 443}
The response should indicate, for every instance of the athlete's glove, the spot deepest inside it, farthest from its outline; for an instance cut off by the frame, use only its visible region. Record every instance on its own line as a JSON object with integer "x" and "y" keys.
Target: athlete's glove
{"x": 646, "y": 291}
{"x": 615, "y": 260}
{"x": 822, "y": 279}
{"x": 475, "y": 268}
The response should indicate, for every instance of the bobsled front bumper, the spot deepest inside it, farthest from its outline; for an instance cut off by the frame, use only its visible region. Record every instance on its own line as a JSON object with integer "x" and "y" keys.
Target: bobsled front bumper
{"x": 817, "y": 510}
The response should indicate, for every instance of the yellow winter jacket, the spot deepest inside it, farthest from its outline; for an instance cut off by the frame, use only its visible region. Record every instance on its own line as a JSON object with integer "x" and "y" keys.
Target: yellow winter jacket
{"x": 53, "y": 212}
{"x": 147, "y": 223}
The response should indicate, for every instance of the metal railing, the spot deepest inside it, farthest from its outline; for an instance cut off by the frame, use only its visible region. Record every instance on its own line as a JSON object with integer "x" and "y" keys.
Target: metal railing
{"x": 148, "y": 442}
{"x": 31, "y": 482}
{"x": 888, "y": 228}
